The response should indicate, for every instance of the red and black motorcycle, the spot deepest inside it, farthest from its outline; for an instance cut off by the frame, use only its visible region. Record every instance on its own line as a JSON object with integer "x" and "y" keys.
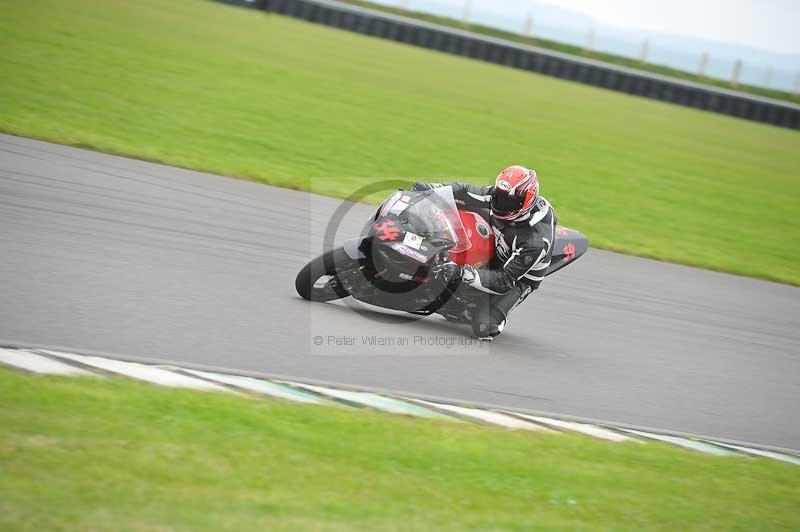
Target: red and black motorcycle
{"x": 401, "y": 261}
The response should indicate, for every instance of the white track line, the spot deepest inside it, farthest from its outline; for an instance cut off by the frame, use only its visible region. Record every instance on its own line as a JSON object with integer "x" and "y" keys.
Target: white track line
{"x": 760, "y": 452}
{"x": 583, "y": 428}
{"x": 486, "y": 416}
{"x": 379, "y": 402}
{"x": 38, "y": 363}
{"x": 261, "y": 386}
{"x": 686, "y": 443}
{"x": 141, "y": 372}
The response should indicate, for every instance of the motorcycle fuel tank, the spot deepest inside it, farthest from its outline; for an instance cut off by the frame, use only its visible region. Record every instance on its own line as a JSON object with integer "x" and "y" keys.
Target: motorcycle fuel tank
{"x": 480, "y": 234}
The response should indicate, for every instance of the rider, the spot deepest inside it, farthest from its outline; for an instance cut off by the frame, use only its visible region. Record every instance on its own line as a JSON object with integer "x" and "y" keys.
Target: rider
{"x": 524, "y": 228}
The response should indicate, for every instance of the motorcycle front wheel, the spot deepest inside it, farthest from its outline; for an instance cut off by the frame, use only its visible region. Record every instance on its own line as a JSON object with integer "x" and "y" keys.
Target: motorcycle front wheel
{"x": 318, "y": 280}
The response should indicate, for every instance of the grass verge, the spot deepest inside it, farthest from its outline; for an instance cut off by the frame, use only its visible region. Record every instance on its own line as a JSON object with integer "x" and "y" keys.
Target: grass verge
{"x": 113, "y": 454}
{"x": 246, "y": 94}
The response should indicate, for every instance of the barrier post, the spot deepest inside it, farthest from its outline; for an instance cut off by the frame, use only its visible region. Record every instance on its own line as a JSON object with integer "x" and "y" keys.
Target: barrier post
{"x": 589, "y": 41}
{"x": 467, "y": 11}
{"x": 701, "y": 69}
{"x": 737, "y": 70}
{"x": 527, "y": 26}
{"x": 645, "y": 50}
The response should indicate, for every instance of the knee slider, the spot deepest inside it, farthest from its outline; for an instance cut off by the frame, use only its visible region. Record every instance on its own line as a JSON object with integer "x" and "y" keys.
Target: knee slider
{"x": 488, "y": 323}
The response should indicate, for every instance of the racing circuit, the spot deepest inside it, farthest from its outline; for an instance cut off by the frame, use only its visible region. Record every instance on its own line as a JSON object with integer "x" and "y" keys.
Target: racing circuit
{"x": 107, "y": 254}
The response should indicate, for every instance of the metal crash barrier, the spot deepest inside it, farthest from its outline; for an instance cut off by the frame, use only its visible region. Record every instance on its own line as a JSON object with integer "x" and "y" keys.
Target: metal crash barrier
{"x": 540, "y": 60}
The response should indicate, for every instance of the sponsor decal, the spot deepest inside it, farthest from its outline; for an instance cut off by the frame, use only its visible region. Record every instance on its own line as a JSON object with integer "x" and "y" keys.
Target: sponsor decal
{"x": 413, "y": 240}
{"x": 408, "y": 252}
{"x": 569, "y": 252}
{"x": 504, "y": 185}
{"x": 406, "y": 199}
{"x": 386, "y": 230}
{"x": 398, "y": 207}
{"x": 405, "y": 276}
{"x": 389, "y": 203}
{"x": 562, "y": 231}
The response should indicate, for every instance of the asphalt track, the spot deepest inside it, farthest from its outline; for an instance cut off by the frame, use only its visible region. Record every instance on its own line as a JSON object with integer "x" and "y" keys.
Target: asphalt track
{"x": 102, "y": 253}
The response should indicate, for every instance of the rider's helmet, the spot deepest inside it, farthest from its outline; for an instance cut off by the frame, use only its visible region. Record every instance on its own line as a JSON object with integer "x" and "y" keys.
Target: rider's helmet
{"x": 515, "y": 192}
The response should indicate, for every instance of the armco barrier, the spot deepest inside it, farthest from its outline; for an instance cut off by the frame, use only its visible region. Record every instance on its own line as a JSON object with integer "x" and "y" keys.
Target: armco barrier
{"x": 548, "y": 62}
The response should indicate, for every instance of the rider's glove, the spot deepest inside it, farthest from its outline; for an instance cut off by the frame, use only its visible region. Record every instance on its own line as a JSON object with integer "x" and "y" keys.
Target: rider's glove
{"x": 468, "y": 274}
{"x": 447, "y": 271}
{"x": 419, "y": 185}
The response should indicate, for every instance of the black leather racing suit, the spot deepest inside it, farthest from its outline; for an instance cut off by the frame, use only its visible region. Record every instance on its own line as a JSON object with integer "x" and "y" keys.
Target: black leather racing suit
{"x": 523, "y": 249}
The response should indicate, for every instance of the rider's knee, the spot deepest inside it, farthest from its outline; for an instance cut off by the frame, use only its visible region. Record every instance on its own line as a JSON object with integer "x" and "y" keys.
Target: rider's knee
{"x": 491, "y": 316}
{"x": 488, "y": 322}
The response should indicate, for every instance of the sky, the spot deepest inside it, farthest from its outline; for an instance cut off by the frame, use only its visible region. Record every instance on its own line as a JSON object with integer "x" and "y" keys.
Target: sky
{"x": 763, "y": 34}
{"x": 772, "y": 25}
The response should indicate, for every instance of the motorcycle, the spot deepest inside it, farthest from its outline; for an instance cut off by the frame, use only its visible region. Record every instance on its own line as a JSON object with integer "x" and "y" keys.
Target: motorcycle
{"x": 403, "y": 260}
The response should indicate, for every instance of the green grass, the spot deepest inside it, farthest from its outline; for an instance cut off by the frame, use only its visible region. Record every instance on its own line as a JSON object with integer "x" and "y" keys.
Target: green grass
{"x": 112, "y": 454}
{"x": 578, "y": 50}
{"x": 264, "y": 97}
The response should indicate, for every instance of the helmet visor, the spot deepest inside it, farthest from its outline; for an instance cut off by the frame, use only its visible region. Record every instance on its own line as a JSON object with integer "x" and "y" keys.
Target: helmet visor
{"x": 504, "y": 203}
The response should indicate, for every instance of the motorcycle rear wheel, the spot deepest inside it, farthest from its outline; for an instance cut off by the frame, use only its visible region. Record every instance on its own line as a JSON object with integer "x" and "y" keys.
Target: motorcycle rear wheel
{"x": 310, "y": 284}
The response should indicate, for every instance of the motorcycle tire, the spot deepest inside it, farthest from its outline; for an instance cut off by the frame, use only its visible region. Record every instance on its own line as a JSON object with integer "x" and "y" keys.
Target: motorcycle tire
{"x": 324, "y": 265}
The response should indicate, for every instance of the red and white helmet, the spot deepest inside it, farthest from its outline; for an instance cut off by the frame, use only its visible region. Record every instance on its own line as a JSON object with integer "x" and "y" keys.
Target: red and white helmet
{"x": 515, "y": 192}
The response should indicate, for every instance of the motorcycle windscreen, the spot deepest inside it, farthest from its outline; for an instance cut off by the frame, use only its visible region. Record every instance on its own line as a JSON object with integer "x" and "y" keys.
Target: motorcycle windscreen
{"x": 441, "y": 214}
{"x": 432, "y": 213}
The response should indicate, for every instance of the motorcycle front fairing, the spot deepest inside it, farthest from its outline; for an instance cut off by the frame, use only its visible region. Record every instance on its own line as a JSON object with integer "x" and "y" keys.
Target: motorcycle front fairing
{"x": 415, "y": 294}
{"x": 410, "y": 233}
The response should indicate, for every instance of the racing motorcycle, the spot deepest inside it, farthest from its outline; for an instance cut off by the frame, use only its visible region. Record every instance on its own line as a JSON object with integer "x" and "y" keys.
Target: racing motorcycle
{"x": 403, "y": 260}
